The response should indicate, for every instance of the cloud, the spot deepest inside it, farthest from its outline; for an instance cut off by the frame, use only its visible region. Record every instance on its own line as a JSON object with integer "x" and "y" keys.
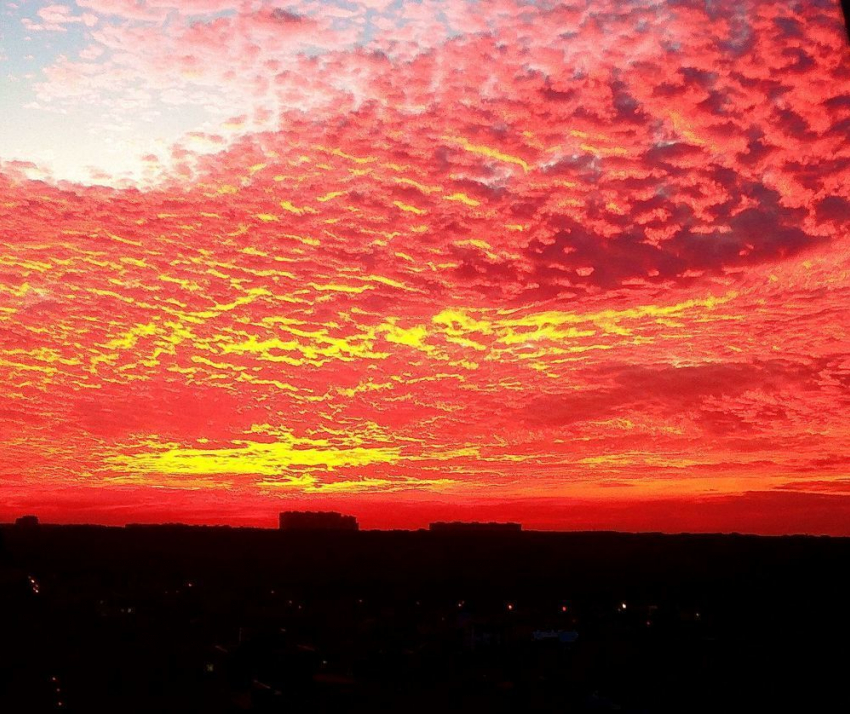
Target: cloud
{"x": 547, "y": 252}
{"x": 55, "y": 18}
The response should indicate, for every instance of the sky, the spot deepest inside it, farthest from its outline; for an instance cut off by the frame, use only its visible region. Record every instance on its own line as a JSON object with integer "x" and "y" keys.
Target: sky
{"x": 582, "y": 265}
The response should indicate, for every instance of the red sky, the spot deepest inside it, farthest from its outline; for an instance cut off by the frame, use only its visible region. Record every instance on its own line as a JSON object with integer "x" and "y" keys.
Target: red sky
{"x": 582, "y": 266}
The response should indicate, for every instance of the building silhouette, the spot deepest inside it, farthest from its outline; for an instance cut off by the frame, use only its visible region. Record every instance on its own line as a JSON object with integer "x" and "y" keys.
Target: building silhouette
{"x": 317, "y": 521}
{"x": 474, "y": 526}
{"x": 27, "y": 521}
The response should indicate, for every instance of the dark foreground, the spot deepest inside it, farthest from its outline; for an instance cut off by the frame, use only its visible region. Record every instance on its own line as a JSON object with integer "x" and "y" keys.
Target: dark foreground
{"x": 154, "y": 620}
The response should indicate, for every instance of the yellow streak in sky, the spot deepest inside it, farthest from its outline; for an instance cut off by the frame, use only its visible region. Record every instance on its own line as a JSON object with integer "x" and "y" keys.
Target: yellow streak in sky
{"x": 129, "y": 339}
{"x": 251, "y": 457}
{"x": 417, "y": 185}
{"x": 310, "y": 484}
{"x": 348, "y": 157}
{"x": 298, "y": 211}
{"x": 331, "y": 195}
{"x": 489, "y": 152}
{"x": 409, "y": 209}
{"x": 462, "y": 198}
{"x": 412, "y": 336}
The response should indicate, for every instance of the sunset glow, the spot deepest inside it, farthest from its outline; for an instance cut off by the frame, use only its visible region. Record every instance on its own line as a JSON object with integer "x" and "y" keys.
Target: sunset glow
{"x": 580, "y": 265}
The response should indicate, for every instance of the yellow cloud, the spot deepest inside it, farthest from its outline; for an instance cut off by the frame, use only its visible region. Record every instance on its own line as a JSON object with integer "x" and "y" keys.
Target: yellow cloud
{"x": 411, "y": 336}
{"x": 487, "y": 151}
{"x": 462, "y": 198}
{"x": 251, "y": 457}
{"x": 409, "y": 209}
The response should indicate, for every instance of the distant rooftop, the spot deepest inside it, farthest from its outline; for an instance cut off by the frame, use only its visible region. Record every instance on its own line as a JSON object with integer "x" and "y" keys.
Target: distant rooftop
{"x": 474, "y": 526}
{"x": 317, "y": 520}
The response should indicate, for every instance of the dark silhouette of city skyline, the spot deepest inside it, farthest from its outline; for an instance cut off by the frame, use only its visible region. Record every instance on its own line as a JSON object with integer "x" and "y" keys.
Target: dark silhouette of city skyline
{"x": 317, "y": 520}
{"x": 213, "y": 619}
{"x": 473, "y": 527}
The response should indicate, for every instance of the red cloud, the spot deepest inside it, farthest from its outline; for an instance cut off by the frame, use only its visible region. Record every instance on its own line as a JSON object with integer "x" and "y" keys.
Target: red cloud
{"x": 504, "y": 269}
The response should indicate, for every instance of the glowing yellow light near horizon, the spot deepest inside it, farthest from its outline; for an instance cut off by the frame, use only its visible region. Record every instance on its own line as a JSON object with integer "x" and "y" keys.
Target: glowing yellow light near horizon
{"x": 250, "y": 457}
